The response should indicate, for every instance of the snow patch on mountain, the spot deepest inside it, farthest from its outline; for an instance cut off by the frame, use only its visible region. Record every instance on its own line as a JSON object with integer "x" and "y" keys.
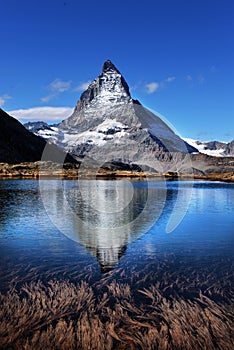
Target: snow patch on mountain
{"x": 203, "y": 147}
{"x": 49, "y": 134}
{"x": 46, "y": 131}
{"x": 109, "y": 129}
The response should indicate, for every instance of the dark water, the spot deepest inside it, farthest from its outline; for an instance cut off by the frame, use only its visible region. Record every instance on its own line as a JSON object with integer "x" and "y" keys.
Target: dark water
{"x": 83, "y": 229}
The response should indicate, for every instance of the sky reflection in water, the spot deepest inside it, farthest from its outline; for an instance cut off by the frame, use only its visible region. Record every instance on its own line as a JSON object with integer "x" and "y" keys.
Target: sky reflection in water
{"x": 96, "y": 223}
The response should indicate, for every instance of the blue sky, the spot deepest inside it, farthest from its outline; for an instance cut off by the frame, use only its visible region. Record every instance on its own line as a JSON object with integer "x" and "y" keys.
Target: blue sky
{"x": 177, "y": 57}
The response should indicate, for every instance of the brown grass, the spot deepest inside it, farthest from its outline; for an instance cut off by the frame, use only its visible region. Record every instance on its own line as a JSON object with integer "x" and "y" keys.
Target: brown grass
{"x": 49, "y": 170}
{"x": 150, "y": 311}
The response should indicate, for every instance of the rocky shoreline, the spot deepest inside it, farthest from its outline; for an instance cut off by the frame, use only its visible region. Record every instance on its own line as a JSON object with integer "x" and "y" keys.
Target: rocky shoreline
{"x": 36, "y": 170}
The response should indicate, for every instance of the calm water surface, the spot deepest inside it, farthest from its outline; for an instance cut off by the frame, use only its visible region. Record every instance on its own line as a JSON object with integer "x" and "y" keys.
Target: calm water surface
{"x": 84, "y": 229}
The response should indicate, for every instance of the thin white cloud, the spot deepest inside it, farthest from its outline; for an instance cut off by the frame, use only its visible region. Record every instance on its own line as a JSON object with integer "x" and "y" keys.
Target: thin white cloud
{"x": 135, "y": 86}
{"x": 56, "y": 87}
{"x": 82, "y": 86}
{"x": 200, "y": 79}
{"x": 42, "y": 113}
{"x": 213, "y": 69}
{"x": 195, "y": 80}
{"x": 60, "y": 85}
{"x": 47, "y": 98}
{"x": 3, "y": 99}
{"x": 188, "y": 77}
{"x": 169, "y": 79}
{"x": 152, "y": 87}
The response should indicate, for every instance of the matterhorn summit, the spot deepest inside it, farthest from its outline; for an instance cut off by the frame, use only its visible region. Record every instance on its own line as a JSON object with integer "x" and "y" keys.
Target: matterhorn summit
{"x": 110, "y": 86}
{"x": 108, "y": 125}
{"x": 106, "y": 99}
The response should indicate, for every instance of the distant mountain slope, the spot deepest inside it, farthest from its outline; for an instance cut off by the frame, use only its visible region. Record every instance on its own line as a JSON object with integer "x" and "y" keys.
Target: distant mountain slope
{"x": 40, "y": 128}
{"x": 213, "y": 148}
{"x": 17, "y": 144}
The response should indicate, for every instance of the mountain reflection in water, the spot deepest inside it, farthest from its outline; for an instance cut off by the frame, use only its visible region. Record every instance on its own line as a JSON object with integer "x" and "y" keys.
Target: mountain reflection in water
{"x": 175, "y": 290}
{"x": 104, "y": 216}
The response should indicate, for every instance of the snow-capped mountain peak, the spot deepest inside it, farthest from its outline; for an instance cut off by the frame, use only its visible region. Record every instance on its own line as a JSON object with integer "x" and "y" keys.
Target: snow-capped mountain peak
{"x": 107, "y": 101}
{"x": 108, "y": 66}
{"x": 107, "y": 123}
{"x": 108, "y": 87}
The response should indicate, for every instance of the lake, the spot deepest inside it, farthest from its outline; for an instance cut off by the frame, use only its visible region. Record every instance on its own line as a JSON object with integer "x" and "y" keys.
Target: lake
{"x": 152, "y": 256}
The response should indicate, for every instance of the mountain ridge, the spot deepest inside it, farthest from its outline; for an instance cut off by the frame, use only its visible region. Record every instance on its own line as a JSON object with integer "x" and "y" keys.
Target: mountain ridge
{"x": 213, "y": 148}
{"x": 18, "y": 145}
{"x": 107, "y": 126}
{"x": 108, "y": 122}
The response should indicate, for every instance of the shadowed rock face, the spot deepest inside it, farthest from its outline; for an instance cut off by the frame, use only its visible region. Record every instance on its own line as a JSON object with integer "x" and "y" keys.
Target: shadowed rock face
{"x": 230, "y": 148}
{"x": 108, "y": 123}
{"x": 110, "y": 81}
{"x": 17, "y": 144}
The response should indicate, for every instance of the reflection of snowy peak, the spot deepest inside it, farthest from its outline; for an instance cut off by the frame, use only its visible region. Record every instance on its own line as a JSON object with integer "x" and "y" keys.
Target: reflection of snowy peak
{"x": 107, "y": 120}
{"x": 213, "y": 148}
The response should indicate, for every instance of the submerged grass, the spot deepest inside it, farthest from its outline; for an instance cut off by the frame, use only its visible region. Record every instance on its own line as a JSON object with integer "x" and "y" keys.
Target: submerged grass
{"x": 155, "y": 309}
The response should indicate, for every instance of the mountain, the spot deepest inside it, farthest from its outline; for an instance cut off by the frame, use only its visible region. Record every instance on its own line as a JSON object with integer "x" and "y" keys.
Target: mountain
{"x": 110, "y": 129}
{"x": 213, "y": 148}
{"x": 40, "y": 128}
{"x": 107, "y": 124}
{"x": 17, "y": 144}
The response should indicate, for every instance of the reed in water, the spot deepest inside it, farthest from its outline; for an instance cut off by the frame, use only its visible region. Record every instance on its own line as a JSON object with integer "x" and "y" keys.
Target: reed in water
{"x": 154, "y": 309}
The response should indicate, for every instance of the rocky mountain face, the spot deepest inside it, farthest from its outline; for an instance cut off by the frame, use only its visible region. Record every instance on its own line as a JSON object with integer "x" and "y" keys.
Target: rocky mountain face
{"x": 107, "y": 124}
{"x": 230, "y": 148}
{"x": 40, "y": 128}
{"x": 213, "y": 148}
{"x": 108, "y": 128}
{"x": 110, "y": 82}
{"x": 18, "y": 145}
